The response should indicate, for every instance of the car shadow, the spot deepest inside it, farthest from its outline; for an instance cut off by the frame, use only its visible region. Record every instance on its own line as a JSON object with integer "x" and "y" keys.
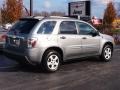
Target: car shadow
{"x": 15, "y": 67}
{"x": 1, "y": 52}
{"x": 87, "y": 59}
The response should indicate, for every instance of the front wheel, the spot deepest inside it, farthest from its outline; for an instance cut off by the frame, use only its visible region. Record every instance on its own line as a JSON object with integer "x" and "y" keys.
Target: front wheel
{"x": 106, "y": 53}
{"x": 51, "y": 61}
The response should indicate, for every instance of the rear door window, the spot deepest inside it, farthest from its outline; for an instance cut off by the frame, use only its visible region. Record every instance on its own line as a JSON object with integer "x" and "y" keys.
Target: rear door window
{"x": 68, "y": 27}
{"x": 47, "y": 27}
{"x": 24, "y": 25}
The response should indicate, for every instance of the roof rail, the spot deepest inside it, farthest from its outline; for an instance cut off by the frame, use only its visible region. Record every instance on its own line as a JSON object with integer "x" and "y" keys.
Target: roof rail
{"x": 58, "y": 17}
{"x": 38, "y": 17}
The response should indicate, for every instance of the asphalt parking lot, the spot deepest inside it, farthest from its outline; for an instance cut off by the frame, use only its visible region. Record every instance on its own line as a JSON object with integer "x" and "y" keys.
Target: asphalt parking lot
{"x": 84, "y": 74}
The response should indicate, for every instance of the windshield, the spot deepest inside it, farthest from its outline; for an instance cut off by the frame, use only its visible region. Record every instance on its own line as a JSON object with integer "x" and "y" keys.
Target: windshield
{"x": 24, "y": 26}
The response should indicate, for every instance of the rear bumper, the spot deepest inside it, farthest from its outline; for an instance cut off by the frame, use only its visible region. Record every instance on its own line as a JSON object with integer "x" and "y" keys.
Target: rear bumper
{"x": 17, "y": 58}
{"x": 2, "y": 45}
{"x": 31, "y": 56}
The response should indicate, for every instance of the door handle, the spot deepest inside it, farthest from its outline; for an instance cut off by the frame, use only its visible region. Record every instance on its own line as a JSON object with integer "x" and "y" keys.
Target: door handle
{"x": 62, "y": 37}
{"x": 84, "y": 38}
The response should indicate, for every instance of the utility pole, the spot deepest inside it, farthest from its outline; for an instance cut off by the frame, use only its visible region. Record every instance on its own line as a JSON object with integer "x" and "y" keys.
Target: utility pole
{"x": 0, "y": 17}
{"x": 31, "y": 7}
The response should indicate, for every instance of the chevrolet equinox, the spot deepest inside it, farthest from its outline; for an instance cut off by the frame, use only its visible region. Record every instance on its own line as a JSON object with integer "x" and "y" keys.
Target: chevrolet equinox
{"x": 48, "y": 41}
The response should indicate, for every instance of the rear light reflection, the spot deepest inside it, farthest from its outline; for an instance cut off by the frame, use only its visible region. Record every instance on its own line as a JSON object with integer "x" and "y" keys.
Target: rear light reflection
{"x": 32, "y": 42}
{"x": 4, "y": 37}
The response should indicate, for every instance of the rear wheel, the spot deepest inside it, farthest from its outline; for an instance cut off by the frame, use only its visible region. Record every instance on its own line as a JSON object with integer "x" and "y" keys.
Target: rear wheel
{"x": 51, "y": 61}
{"x": 106, "y": 53}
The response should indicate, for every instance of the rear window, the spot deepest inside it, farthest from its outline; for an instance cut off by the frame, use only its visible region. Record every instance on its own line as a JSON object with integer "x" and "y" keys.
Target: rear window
{"x": 24, "y": 25}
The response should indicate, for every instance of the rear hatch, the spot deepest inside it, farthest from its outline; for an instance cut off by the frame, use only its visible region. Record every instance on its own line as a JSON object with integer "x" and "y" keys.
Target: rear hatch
{"x": 17, "y": 36}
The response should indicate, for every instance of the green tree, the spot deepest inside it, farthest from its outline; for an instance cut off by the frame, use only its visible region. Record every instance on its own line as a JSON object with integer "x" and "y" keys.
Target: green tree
{"x": 11, "y": 10}
{"x": 109, "y": 15}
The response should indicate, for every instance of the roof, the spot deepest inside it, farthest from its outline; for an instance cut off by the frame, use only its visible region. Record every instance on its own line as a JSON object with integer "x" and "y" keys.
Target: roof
{"x": 49, "y": 17}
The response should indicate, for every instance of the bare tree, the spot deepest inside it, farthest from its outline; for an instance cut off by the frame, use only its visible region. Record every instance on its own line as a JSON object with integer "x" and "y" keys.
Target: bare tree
{"x": 44, "y": 13}
{"x": 0, "y": 17}
{"x": 118, "y": 10}
{"x": 57, "y": 13}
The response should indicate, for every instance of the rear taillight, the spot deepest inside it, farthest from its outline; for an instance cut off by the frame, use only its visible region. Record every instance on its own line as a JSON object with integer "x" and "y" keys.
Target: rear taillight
{"x": 4, "y": 37}
{"x": 32, "y": 42}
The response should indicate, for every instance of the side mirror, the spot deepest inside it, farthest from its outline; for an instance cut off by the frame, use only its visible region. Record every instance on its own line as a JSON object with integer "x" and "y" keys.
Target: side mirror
{"x": 95, "y": 33}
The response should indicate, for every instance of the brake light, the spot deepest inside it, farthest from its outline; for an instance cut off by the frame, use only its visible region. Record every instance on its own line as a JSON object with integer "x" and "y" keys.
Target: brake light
{"x": 4, "y": 37}
{"x": 31, "y": 42}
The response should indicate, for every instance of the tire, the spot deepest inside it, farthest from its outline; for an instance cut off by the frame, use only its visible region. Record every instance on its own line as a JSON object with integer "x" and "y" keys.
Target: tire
{"x": 51, "y": 61}
{"x": 106, "y": 54}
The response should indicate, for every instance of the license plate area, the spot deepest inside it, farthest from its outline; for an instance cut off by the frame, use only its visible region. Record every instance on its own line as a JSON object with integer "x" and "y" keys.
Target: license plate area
{"x": 14, "y": 42}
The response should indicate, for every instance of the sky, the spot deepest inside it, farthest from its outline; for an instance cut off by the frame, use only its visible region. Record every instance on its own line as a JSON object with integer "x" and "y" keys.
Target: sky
{"x": 97, "y": 7}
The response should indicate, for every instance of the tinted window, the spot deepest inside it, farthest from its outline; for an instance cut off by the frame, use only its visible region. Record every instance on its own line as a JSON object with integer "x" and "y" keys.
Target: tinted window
{"x": 47, "y": 27}
{"x": 24, "y": 25}
{"x": 85, "y": 29}
{"x": 68, "y": 27}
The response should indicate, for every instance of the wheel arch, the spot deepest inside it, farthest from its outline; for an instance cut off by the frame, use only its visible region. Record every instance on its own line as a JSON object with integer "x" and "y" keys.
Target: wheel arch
{"x": 107, "y": 43}
{"x": 59, "y": 50}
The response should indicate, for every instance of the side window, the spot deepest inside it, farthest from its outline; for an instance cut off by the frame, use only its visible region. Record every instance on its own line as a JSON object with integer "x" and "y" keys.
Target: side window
{"x": 47, "y": 27}
{"x": 85, "y": 29}
{"x": 68, "y": 27}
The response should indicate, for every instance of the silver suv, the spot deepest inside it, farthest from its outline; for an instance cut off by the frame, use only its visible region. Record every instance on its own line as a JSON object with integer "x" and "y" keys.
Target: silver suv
{"x": 48, "y": 41}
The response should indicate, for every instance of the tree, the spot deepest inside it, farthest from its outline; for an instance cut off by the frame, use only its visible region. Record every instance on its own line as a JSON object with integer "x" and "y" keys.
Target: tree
{"x": 11, "y": 10}
{"x": 0, "y": 17}
{"x": 54, "y": 13}
{"x": 109, "y": 15}
{"x": 118, "y": 10}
